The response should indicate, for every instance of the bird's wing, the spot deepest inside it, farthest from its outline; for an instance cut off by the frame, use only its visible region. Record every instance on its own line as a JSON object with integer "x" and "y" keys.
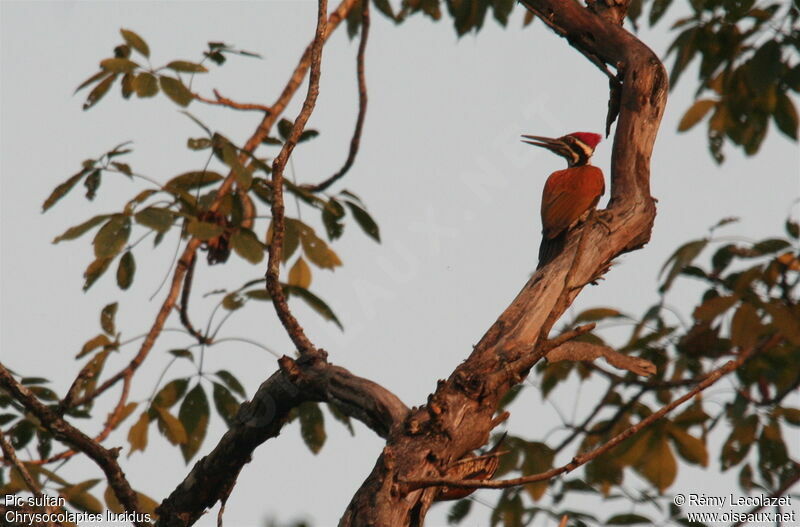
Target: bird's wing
{"x": 567, "y": 195}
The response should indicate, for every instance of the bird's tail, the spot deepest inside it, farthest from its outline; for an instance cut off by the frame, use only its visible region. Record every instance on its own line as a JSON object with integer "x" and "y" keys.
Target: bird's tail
{"x": 550, "y": 248}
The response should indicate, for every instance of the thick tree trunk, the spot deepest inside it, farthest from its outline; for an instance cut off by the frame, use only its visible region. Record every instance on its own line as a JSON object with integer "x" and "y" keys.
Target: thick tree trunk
{"x": 461, "y": 413}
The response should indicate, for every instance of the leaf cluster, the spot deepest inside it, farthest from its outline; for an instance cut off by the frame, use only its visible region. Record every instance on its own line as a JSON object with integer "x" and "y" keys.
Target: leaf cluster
{"x": 750, "y": 298}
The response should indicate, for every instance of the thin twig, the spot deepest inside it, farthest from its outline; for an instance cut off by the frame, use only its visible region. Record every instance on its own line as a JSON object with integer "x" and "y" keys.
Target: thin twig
{"x": 66, "y": 433}
{"x": 355, "y": 141}
{"x": 779, "y": 492}
{"x": 10, "y": 457}
{"x": 224, "y": 101}
{"x": 183, "y": 309}
{"x": 290, "y": 323}
{"x": 582, "y": 459}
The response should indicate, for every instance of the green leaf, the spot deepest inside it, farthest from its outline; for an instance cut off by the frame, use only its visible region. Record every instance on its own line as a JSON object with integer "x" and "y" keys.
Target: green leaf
{"x": 695, "y": 114}
{"x": 312, "y": 426}
{"x": 107, "y": 316}
{"x": 658, "y": 466}
{"x": 230, "y": 157}
{"x": 78, "y": 496}
{"x": 386, "y": 8}
{"x": 791, "y": 415}
{"x": 683, "y": 256}
{"x": 192, "y": 180}
{"x": 137, "y": 435}
{"x": 714, "y": 307}
{"x": 765, "y": 66}
{"x": 135, "y": 41}
{"x": 194, "y": 414}
{"x": 300, "y": 274}
{"x": 365, "y": 221}
{"x": 785, "y": 319}
{"x": 232, "y": 301}
{"x": 538, "y": 458}
{"x": 182, "y": 353}
{"x": 628, "y": 519}
{"x": 118, "y": 65}
{"x": 200, "y": 143}
{"x": 316, "y": 249}
{"x": 785, "y": 115}
{"x": 460, "y": 509}
{"x": 285, "y": 128}
{"x": 597, "y": 313}
{"x": 231, "y": 382}
{"x": 156, "y": 218}
{"x": 176, "y": 90}
{"x": 314, "y": 302}
{"x": 112, "y": 502}
{"x": 92, "y": 183}
{"x": 126, "y": 270}
{"x": 127, "y": 85}
{"x": 226, "y": 404}
{"x": 246, "y": 245}
{"x": 99, "y": 91}
{"x": 83, "y": 228}
{"x": 94, "y": 78}
{"x": 657, "y": 10}
{"x": 170, "y": 426}
{"x": 94, "y": 271}
{"x": 22, "y": 433}
{"x": 171, "y": 393}
{"x": 204, "y": 230}
{"x": 745, "y": 327}
{"x": 112, "y": 236}
{"x": 145, "y": 85}
{"x": 689, "y": 447}
{"x": 186, "y": 66}
{"x": 307, "y": 135}
{"x": 61, "y": 190}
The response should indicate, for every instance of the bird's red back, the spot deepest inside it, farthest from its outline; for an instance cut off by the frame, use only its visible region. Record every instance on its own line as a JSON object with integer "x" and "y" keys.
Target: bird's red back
{"x": 567, "y": 195}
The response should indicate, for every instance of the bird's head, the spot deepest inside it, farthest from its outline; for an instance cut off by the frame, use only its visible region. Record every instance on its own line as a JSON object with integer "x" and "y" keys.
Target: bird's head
{"x": 577, "y": 148}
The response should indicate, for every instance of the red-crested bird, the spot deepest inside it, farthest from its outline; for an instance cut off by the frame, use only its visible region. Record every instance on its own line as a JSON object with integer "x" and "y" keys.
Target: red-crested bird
{"x": 571, "y": 194}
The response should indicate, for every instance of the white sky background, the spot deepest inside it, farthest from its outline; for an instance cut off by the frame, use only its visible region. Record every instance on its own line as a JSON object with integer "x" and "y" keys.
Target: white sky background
{"x": 441, "y": 169}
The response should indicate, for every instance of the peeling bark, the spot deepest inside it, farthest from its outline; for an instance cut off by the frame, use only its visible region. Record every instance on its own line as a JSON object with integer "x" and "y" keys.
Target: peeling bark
{"x": 460, "y": 414}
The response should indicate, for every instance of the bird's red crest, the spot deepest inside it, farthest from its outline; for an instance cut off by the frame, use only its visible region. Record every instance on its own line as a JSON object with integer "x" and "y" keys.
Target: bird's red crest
{"x": 588, "y": 138}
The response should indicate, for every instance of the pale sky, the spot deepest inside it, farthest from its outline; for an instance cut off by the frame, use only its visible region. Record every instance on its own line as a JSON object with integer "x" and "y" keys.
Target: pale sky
{"x": 441, "y": 169}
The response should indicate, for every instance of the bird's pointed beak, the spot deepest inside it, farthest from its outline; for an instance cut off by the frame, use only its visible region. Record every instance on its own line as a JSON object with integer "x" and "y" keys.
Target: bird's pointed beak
{"x": 554, "y": 145}
{"x": 538, "y": 140}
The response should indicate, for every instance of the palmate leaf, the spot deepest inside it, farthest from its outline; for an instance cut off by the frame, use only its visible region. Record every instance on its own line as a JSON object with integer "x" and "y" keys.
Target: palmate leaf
{"x": 312, "y": 426}
{"x": 135, "y": 41}
{"x": 365, "y": 221}
{"x": 81, "y": 229}
{"x": 314, "y": 302}
{"x": 231, "y": 382}
{"x": 61, "y": 190}
{"x": 225, "y": 403}
{"x": 99, "y": 91}
{"x": 112, "y": 236}
{"x": 193, "y": 415}
{"x": 176, "y": 90}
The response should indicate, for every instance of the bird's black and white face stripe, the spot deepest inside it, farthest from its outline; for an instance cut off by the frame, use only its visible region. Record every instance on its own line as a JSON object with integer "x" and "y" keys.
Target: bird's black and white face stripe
{"x": 576, "y": 148}
{"x": 577, "y": 152}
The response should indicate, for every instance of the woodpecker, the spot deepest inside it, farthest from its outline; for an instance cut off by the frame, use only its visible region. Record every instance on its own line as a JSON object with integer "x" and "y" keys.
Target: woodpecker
{"x": 571, "y": 194}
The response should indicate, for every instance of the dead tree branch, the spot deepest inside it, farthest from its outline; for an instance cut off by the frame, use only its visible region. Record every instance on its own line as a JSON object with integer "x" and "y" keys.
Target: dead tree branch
{"x": 290, "y": 323}
{"x": 310, "y": 378}
{"x": 582, "y": 459}
{"x": 68, "y": 434}
{"x": 459, "y": 415}
{"x": 355, "y": 141}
